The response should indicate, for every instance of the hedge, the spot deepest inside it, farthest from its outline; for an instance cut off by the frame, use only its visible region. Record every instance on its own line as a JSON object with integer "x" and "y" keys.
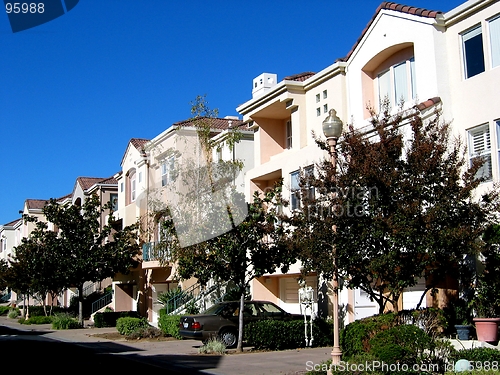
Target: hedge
{"x": 280, "y": 334}
{"x": 36, "y": 320}
{"x": 169, "y": 324}
{"x": 129, "y": 325}
{"x": 108, "y": 319}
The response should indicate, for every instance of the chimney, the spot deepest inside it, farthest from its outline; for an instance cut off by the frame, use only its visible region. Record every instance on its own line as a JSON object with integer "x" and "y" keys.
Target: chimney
{"x": 263, "y": 84}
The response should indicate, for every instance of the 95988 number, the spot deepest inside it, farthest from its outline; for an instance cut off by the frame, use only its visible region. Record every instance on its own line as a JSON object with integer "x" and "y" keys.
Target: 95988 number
{"x": 24, "y": 8}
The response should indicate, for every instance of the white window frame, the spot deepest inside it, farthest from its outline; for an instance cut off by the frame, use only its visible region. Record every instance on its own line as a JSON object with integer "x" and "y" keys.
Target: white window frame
{"x": 295, "y": 190}
{"x": 466, "y": 36}
{"x": 289, "y": 134}
{"x": 388, "y": 83}
{"x": 133, "y": 187}
{"x": 494, "y": 33}
{"x": 113, "y": 198}
{"x": 479, "y": 138}
{"x": 167, "y": 171}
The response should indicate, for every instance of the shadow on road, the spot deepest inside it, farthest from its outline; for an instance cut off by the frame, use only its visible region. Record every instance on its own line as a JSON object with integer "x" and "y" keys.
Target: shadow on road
{"x": 28, "y": 350}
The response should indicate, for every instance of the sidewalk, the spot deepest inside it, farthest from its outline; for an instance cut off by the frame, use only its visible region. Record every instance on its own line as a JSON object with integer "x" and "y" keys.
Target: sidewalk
{"x": 182, "y": 355}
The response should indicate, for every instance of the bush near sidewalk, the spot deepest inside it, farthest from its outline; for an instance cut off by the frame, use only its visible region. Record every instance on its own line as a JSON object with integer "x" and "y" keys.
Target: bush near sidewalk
{"x": 37, "y": 320}
{"x": 280, "y": 334}
{"x": 128, "y": 325}
{"x": 65, "y": 321}
{"x": 109, "y": 319}
{"x": 169, "y": 324}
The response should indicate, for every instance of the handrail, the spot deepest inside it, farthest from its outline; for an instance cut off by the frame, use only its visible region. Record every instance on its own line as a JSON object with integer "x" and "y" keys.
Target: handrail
{"x": 101, "y": 302}
{"x": 151, "y": 251}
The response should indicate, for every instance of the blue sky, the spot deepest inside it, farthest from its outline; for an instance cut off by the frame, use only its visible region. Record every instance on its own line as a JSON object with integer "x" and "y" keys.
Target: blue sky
{"x": 74, "y": 91}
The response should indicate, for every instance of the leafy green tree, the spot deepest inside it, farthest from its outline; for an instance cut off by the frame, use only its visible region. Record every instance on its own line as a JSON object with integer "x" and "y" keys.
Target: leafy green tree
{"x": 4, "y": 266}
{"x": 403, "y": 207}
{"x": 84, "y": 249}
{"x": 211, "y": 232}
{"x": 36, "y": 269}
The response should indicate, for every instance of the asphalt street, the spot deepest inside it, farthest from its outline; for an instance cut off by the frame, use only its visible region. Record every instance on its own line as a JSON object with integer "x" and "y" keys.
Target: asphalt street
{"x": 24, "y": 348}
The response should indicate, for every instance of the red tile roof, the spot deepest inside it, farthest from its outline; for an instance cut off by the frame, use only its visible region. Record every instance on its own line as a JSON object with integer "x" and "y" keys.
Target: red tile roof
{"x": 301, "y": 77}
{"x": 12, "y": 223}
{"x": 36, "y": 204}
{"x": 109, "y": 181}
{"x": 88, "y": 182}
{"x": 396, "y": 7}
{"x": 215, "y": 123}
{"x": 139, "y": 143}
{"x": 67, "y": 196}
{"x": 428, "y": 103}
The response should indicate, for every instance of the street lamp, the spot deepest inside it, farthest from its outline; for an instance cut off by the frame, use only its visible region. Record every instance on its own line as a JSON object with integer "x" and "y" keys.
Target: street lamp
{"x": 332, "y": 129}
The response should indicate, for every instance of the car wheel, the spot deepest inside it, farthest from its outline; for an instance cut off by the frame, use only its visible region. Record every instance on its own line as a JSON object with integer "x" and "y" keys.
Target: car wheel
{"x": 229, "y": 338}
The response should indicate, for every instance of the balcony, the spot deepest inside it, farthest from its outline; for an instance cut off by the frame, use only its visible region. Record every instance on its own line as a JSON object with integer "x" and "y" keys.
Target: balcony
{"x": 155, "y": 252}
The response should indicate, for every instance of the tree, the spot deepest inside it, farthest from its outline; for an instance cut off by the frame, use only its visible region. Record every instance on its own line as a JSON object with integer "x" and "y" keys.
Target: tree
{"x": 403, "y": 208}
{"x": 210, "y": 229}
{"x": 84, "y": 250}
{"x": 249, "y": 250}
{"x": 35, "y": 267}
{"x": 4, "y": 266}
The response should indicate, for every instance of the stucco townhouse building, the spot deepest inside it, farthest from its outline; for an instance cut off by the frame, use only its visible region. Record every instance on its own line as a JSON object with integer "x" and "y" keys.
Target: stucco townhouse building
{"x": 431, "y": 60}
{"x": 147, "y": 183}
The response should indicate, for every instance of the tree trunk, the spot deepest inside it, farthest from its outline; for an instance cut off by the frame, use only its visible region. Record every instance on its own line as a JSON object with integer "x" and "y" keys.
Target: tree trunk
{"x": 80, "y": 304}
{"x": 239, "y": 348}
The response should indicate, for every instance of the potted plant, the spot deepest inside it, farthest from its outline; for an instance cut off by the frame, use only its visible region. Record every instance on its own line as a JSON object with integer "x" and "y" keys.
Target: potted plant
{"x": 463, "y": 319}
{"x": 486, "y": 301}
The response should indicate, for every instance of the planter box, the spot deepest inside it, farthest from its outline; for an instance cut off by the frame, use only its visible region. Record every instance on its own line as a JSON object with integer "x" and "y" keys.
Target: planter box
{"x": 463, "y": 332}
{"x": 487, "y": 329}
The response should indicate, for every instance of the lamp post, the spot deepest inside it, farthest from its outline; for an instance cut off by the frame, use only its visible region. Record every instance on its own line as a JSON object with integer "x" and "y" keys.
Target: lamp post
{"x": 332, "y": 129}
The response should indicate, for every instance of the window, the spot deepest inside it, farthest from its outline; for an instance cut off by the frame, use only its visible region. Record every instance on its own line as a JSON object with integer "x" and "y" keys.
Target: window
{"x": 498, "y": 143}
{"x": 325, "y": 108}
{"x": 480, "y": 147}
{"x": 132, "y": 186}
{"x": 167, "y": 171}
{"x": 121, "y": 187}
{"x": 295, "y": 190}
{"x": 325, "y": 94}
{"x": 114, "y": 202}
{"x": 317, "y": 98}
{"x": 140, "y": 177}
{"x": 289, "y": 134}
{"x": 309, "y": 173}
{"x": 295, "y": 187}
{"x": 318, "y": 111}
{"x": 397, "y": 84}
{"x": 495, "y": 41}
{"x": 472, "y": 44}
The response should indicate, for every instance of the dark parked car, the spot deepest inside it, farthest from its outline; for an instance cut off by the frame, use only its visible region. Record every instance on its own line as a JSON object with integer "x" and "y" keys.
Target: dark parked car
{"x": 221, "y": 320}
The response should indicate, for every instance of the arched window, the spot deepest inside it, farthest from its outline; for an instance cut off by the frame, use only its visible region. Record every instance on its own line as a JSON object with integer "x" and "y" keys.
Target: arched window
{"x": 131, "y": 186}
{"x": 390, "y": 75}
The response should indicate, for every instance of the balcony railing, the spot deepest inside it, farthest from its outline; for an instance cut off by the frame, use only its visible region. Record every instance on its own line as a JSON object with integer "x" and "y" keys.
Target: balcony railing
{"x": 152, "y": 251}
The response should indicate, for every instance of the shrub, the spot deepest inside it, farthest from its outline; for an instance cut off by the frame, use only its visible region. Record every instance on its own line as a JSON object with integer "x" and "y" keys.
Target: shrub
{"x": 145, "y": 332}
{"x": 108, "y": 319}
{"x": 174, "y": 298}
{"x": 39, "y": 311}
{"x": 128, "y": 325}
{"x": 355, "y": 337}
{"x": 13, "y": 314}
{"x": 65, "y": 321}
{"x": 212, "y": 346}
{"x": 403, "y": 344}
{"x": 280, "y": 334}
{"x": 169, "y": 324}
{"x": 37, "y": 320}
{"x": 479, "y": 355}
{"x": 4, "y": 310}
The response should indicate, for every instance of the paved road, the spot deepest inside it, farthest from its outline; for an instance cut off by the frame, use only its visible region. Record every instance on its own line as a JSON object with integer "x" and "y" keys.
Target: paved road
{"x": 25, "y": 348}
